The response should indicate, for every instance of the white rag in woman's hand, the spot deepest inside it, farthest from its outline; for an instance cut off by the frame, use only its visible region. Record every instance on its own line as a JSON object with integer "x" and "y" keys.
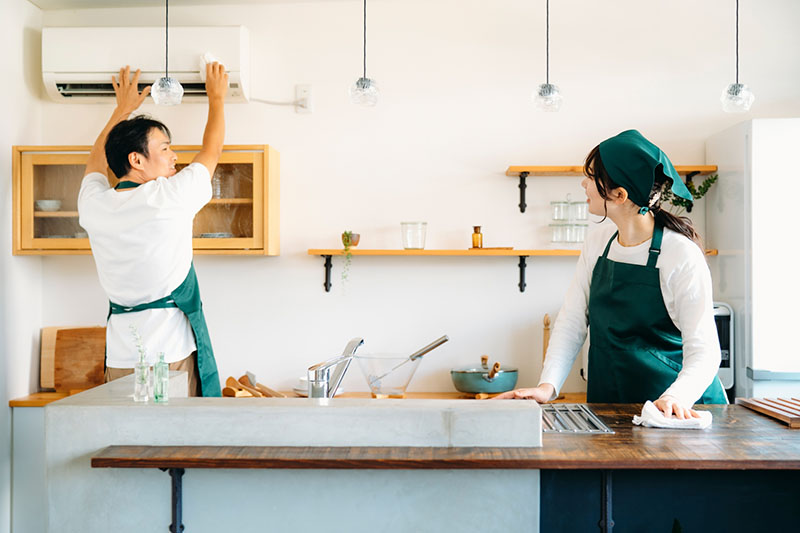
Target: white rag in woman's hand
{"x": 653, "y": 417}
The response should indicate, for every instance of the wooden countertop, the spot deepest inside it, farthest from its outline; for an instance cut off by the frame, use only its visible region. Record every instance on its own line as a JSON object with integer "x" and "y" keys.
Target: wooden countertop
{"x": 738, "y": 439}
{"x": 37, "y": 399}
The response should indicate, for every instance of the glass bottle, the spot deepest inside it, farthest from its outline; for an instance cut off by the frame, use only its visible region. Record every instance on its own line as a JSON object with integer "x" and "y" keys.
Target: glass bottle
{"x": 141, "y": 389}
{"x": 477, "y": 237}
{"x": 216, "y": 185}
{"x": 161, "y": 380}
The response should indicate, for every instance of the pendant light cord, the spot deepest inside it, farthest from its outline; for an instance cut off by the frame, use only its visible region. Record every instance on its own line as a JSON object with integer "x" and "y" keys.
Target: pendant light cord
{"x": 166, "y": 54}
{"x": 547, "y": 74}
{"x": 365, "y": 38}
{"x": 737, "y": 42}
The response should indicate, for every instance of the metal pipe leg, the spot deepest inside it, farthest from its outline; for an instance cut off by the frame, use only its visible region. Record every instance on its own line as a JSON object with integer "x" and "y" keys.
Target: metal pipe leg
{"x": 177, "y": 500}
{"x": 606, "y": 521}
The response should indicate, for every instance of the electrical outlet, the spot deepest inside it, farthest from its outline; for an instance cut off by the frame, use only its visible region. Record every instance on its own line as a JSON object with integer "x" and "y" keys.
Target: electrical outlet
{"x": 302, "y": 97}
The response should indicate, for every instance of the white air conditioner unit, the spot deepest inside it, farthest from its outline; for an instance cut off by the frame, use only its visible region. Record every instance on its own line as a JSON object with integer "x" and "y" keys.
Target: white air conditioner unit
{"x": 77, "y": 63}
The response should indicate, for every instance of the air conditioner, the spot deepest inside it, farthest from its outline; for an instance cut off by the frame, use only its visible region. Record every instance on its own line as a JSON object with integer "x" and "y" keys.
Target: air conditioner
{"x": 77, "y": 63}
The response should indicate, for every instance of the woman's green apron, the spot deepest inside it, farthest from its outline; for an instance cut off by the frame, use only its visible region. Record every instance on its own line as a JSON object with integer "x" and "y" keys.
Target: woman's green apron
{"x": 635, "y": 351}
{"x": 186, "y": 298}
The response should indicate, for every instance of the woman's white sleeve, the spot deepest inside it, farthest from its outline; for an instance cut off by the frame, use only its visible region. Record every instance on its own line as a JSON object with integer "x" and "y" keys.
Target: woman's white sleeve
{"x": 693, "y": 303}
{"x": 569, "y": 331}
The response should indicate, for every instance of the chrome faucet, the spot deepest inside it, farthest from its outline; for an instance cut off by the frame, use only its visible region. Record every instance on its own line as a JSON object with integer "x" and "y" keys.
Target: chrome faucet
{"x": 324, "y": 378}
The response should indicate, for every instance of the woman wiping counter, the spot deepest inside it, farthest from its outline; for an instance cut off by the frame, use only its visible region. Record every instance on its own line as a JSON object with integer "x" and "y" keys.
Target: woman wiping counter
{"x": 643, "y": 288}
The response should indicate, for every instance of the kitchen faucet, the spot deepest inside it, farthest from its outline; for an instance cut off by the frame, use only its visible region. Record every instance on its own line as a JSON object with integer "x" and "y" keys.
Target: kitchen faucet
{"x": 324, "y": 378}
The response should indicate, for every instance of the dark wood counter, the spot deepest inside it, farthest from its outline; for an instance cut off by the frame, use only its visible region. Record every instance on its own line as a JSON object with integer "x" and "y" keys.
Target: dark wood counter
{"x": 738, "y": 439}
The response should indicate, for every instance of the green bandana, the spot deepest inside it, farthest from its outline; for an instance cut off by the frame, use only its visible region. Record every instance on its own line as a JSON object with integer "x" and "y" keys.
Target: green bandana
{"x": 634, "y": 163}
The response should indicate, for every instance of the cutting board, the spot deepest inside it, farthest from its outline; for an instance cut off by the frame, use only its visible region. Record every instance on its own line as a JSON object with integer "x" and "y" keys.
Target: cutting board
{"x": 72, "y": 358}
{"x": 787, "y": 410}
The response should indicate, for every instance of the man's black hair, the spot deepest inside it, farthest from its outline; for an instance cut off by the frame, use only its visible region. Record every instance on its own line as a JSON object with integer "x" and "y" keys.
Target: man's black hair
{"x": 130, "y": 136}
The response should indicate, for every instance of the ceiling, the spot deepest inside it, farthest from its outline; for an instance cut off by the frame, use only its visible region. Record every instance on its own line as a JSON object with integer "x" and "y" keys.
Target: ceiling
{"x": 48, "y": 5}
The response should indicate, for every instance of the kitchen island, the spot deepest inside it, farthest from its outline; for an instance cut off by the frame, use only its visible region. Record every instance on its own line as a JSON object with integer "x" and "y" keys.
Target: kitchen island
{"x": 743, "y": 473}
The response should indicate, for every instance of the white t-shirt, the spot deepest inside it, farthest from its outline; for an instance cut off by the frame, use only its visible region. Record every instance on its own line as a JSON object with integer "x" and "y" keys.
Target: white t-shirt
{"x": 686, "y": 289}
{"x": 141, "y": 240}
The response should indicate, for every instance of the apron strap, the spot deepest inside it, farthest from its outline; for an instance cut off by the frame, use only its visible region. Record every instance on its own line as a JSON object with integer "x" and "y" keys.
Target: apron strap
{"x": 655, "y": 246}
{"x": 608, "y": 246}
{"x": 126, "y": 185}
{"x": 161, "y": 303}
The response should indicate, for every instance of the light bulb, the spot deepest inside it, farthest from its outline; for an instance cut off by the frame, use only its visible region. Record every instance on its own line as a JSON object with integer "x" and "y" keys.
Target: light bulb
{"x": 364, "y": 92}
{"x": 547, "y": 97}
{"x": 167, "y": 91}
{"x": 737, "y": 98}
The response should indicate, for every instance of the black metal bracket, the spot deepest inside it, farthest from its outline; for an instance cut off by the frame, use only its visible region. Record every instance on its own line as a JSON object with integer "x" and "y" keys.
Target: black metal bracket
{"x": 327, "y": 273}
{"x": 606, "y": 522}
{"x": 522, "y": 187}
{"x": 522, "y": 266}
{"x": 177, "y": 498}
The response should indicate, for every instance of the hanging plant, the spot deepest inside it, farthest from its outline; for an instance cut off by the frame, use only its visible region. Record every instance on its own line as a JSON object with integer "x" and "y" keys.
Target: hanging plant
{"x": 349, "y": 239}
{"x": 677, "y": 205}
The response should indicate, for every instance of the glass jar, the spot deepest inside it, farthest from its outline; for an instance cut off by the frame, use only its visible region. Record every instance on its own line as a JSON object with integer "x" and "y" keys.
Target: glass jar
{"x": 559, "y": 210}
{"x": 578, "y": 210}
{"x": 558, "y": 232}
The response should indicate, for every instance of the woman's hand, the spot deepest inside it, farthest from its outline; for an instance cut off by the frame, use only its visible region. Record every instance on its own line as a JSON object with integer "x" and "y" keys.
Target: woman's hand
{"x": 127, "y": 91}
{"x": 216, "y": 81}
{"x": 542, "y": 394}
{"x": 669, "y": 405}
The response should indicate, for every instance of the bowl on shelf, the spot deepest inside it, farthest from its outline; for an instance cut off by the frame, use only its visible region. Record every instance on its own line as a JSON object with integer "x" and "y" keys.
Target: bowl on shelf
{"x": 218, "y": 235}
{"x": 47, "y": 205}
{"x": 387, "y": 374}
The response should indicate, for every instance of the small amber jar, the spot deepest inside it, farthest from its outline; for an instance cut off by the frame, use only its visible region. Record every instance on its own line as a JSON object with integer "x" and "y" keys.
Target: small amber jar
{"x": 477, "y": 237}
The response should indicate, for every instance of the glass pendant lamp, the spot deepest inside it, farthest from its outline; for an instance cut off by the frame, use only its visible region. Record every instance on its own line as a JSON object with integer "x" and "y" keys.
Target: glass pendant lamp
{"x": 737, "y": 97}
{"x": 364, "y": 91}
{"x": 547, "y": 96}
{"x": 166, "y": 90}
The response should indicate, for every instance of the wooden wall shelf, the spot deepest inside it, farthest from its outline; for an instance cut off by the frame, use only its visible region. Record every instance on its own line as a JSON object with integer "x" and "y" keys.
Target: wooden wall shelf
{"x": 523, "y": 171}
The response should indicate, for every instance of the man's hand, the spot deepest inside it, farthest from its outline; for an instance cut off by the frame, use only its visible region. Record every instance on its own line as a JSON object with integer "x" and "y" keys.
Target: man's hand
{"x": 127, "y": 90}
{"x": 542, "y": 394}
{"x": 669, "y": 405}
{"x": 216, "y": 81}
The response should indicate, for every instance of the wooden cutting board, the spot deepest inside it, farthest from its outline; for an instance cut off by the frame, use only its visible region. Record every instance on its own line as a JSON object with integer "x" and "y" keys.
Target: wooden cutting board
{"x": 77, "y": 358}
{"x": 787, "y": 410}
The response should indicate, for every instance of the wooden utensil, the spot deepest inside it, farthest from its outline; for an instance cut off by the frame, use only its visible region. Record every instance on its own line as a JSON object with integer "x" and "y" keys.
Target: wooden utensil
{"x": 235, "y": 384}
{"x": 235, "y": 393}
{"x": 266, "y": 391}
{"x": 486, "y": 395}
{"x": 495, "y": 369}
{"x": 787, "y": 410}
{"x": 78, "y": 361}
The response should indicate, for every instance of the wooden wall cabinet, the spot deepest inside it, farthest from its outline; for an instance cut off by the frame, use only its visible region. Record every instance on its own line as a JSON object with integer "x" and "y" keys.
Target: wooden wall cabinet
{"x": 242, "y": 218}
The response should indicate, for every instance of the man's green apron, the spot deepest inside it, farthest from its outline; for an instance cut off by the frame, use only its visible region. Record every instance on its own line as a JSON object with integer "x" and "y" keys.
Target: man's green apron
{"x": 635, "y": 351}
{"x": 186, "y": 298}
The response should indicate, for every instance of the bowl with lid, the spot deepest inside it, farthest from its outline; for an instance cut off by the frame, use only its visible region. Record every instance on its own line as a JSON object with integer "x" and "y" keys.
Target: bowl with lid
{"x": 483, "y": 378}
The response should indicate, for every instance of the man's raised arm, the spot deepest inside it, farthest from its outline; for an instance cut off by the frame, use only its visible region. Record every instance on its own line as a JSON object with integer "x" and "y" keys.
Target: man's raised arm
{"x": 214, "y": 136}
{"x": 128, "y": 100}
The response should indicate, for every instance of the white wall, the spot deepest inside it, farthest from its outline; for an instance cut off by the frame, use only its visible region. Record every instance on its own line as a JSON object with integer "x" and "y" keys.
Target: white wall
{"x": 455, "y": 111}
{"x": 20, "y": 277}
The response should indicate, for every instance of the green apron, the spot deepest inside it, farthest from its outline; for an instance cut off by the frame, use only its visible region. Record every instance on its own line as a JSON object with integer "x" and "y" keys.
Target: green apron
{"x": 186, "y": 298}
{"x": 635, "y": 351}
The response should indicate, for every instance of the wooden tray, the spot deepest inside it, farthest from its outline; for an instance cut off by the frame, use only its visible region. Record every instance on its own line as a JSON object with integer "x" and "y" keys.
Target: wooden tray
{"x": 787, "y": 410}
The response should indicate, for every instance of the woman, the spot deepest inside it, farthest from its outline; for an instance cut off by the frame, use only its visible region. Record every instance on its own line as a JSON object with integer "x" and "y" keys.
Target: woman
{"x": 644, "y": 288}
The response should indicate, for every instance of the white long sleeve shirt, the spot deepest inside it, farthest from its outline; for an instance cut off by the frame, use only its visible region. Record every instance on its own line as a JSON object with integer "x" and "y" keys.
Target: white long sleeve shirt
{"x": 686, "y": 289}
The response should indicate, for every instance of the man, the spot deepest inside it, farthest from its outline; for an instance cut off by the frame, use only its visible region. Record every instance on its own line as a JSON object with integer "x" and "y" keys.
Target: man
{"x": 141, "y": 234}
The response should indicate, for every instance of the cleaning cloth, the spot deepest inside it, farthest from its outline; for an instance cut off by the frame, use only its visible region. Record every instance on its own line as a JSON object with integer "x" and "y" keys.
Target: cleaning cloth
{"x": 653, "y": 417}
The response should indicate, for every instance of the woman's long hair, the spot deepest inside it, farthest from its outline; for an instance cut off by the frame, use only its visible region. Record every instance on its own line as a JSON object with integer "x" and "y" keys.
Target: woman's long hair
{"x": 594, "y": 169}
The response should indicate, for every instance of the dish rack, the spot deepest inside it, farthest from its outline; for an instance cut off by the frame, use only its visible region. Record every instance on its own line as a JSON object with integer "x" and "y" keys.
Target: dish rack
{"x": 573, "y": 418}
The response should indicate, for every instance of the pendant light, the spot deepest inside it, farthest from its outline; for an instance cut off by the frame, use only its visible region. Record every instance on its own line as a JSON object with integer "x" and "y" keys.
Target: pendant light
{"x": 547, "y": 96}
{"x": 737, "y": 97}
{"x": 166, "y": 90}
{"x": 364, "y": 91}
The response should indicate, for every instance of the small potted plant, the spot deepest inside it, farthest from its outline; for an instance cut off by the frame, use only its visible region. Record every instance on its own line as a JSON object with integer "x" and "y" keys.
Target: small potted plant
{"x": 677, "y": 204}
{"x": 349, "y": 239}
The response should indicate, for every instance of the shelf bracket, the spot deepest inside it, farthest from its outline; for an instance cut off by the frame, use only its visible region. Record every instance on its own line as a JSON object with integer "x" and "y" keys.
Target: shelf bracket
{"x": 522, "y": 266}
{"x": 327, "y": 273}
{"x": 522, "y": 187}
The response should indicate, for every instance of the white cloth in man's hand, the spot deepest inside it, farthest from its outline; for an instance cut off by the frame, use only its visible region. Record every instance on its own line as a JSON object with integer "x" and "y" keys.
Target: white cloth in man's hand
{"x": 652, "y": 417}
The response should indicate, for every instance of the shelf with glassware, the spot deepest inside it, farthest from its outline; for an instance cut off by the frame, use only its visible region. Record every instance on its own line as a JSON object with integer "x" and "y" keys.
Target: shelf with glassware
{"x": 523, "y": 172}
{"x": 242, "y": 217}
{"x": 328, "y": 253}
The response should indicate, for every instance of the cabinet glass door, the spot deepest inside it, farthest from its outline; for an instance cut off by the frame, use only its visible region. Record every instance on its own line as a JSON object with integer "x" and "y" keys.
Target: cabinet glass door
{"x": 50, "y": 201}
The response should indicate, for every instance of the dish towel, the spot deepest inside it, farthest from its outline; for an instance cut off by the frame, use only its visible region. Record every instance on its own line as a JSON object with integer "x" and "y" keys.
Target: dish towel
{"x": 653, "y": 417}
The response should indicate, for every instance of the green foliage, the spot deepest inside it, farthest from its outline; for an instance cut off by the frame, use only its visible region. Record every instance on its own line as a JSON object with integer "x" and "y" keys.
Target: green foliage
{"x": 697, "y": 192}
{"x": 347, "y": 240}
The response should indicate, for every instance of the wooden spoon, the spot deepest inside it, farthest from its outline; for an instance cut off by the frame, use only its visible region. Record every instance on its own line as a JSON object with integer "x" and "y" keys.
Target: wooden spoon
{"x": 266, "y": 391}
{"x": 234, "y": 384}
